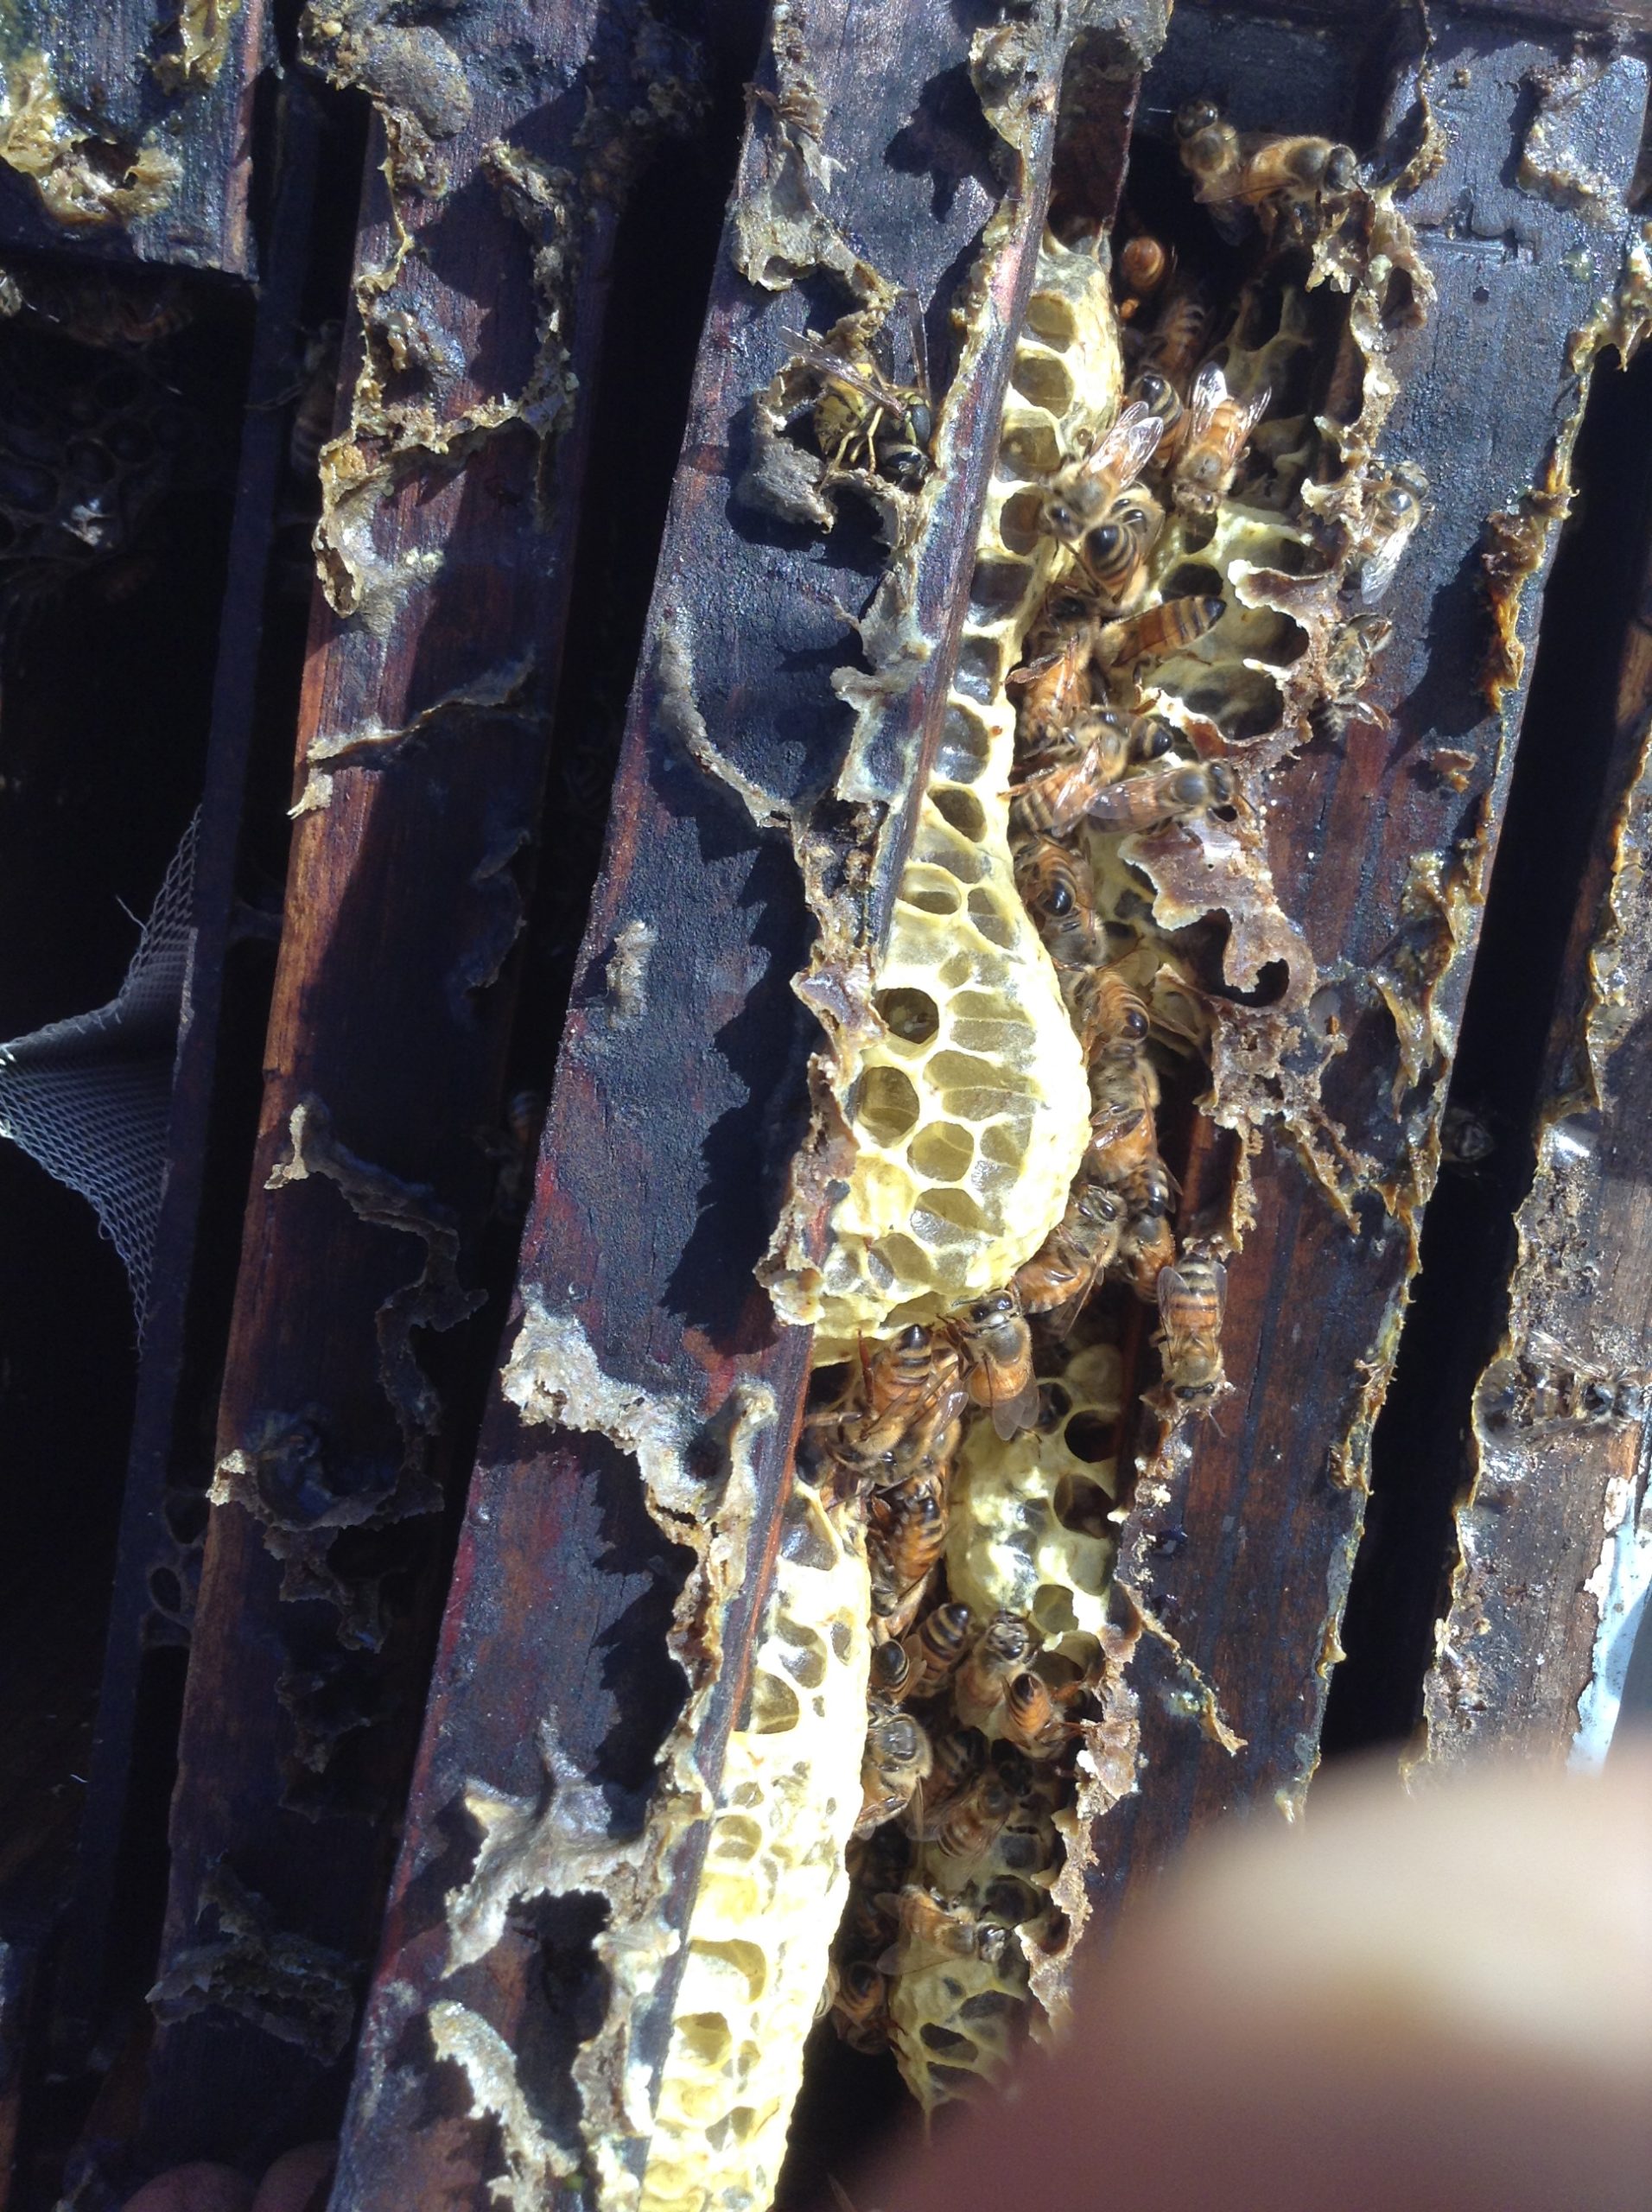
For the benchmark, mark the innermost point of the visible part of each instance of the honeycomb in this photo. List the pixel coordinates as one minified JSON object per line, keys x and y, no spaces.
{"x":1199,"y":655}
{"x":774,"y":1881}
{"x":1026,"y":1539}
{"x":970,"y":1108}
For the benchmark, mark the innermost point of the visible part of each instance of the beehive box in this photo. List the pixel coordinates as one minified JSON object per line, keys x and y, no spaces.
{"x":837,"y":1069}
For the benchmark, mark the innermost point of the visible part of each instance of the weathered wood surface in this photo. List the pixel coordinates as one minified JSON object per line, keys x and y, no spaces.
{"x":422,"y":747}
{"x":680,"y":1100}
{"x":1551,"y":1565}
{"x":128,"y":130}
{"x":1243,"y":1551}
{"x":163,"y":1443}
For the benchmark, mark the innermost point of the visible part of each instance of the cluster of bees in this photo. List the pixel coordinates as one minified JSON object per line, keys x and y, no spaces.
{"x":970,"y":1725}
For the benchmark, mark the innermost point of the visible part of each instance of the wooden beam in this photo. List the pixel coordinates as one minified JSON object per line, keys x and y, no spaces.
{"x":128,"y":135}
{"x":452,"y":495}
{"x":1241,"y":1539}
{"x":679,"y":1103}
{"x":1551,"y":1539}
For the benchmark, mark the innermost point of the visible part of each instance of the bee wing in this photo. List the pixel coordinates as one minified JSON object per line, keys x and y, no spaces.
{"x":1219,"y":1285}
{"x":1254,"y":408}
{"x":1010,"y":1416}
{"x":916,"y":340}
{"x":1172,"y":1284}
{"x":1208,"y":392}
{"x":1061,"y":1320}
{"x":1128,"y":445}
{"x":869,"y":384}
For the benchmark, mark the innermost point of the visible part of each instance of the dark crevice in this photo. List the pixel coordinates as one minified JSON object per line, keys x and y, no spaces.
{"x":1559,"y":794}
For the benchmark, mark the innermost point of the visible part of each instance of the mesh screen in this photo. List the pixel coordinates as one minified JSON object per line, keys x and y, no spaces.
{"x":90,"y":1098}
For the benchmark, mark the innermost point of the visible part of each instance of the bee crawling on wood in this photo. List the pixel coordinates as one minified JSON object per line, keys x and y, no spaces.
{"x":1192,"y":1297}
{"x":1392,"y":513}
{"x":996,"y":1347}
{"x":1213,"y":438}
{"x":863,"y":418}
{"x":1273,"y":175}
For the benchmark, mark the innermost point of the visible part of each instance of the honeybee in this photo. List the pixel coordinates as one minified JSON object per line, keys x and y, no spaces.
{"x":1048,"y":803}
{"x":1288,"y":167}
{"x":1114,"y":555}
{"x":1056,"y":891}
{"x":1050,"y":693}
{"x":1146,"y":1243}
{"x":1152,"y":389}
{"x":859,"y":2006}
{"x":1076,"y":1254}
{"x":893,"y":1764}
{"x":1123,"y":1091}
{"x":1191,"y":1298}
{"x":1031,"y":1715}
{"x":1002,"y":1649}
{"x":1162,"y":795}
{"x":891,"y":1673}
{"x":1178,"y":340}
{"x":934,"y":1648}
{"x":1111,"y":1013}
{"x":1258,"y":170}
{"x":862,"y":419}
{"x":1099,"y":748}
{"x":1349,"y":659}
{"x":930,"y":1930}
{"x":906,"y":1534}
{"x":316,"y":396}
{"x":1212,"y":441}
{"x":1081,"y":492}
{"x":1169,"y":627}
{"x":1143,"y":264}
{"x":996,"y":1347}
{"x":969,"y":1825}
{"x":908,"y":1411}
{"x":1391,"y":515}
{"x":955,"y":1761}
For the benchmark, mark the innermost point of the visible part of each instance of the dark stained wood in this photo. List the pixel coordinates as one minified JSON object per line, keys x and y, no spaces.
{"x":129,"y":91}
{"x":1534,"y":1647}
{"x":344,"y":1391}
{"x":1271,"y":1503}
{"x":161,"y":1444}
{"x":669,"y":1135}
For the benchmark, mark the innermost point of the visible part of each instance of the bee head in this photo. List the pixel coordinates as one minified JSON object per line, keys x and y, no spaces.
{"x":1061,"y":520}
{"x":1194,"y":116}
{"x":906,"y":466}
{"x":1219,"y":779}
{"x":1341,"y":170}
{"x":1196,"y":500}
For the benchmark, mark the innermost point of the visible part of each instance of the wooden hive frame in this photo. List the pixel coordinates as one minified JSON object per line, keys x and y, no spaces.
{"x":642,"y":1373}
